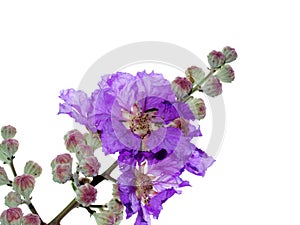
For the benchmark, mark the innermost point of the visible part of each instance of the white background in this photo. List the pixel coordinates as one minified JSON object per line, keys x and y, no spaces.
{"x":48,"y":46}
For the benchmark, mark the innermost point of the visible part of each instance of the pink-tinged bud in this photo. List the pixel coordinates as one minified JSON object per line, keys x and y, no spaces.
{"x":33,"y":169}
{"x":86,"y":194}
{"x":89,"y":166}
{"x":31,"y":219}
{"x":212,"y":87}
{"x":226,"y":74}
{"x":93,"y":140}
{"x":12,"y":216}
{"x":216,"y":59}
{"x":3,"y":177}
{"x":115,"y":206}
{"x":84,"y":151}
{"x":197,"y":107}
{"x":8,"y":132}
{"x":62,"y":173}
{"x":72,"y":139}
{"x":107,"y":218}
{"x":24,"y":185}
{"x":62,"y":159}
{"x":13,"y":199}
{"x":62,"y":168}
{"x":195,"y":74}
{"x":181,"y":87}
{"x":8,"y":148}
{"x":230,"y":54}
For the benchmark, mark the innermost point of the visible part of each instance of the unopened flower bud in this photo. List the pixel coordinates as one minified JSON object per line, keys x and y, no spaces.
{"x":62,"y":168}
{"x":3,"y":177}
{"x":24,"y":185}
{"x":115,"y":206}
{"x":8,"y":132}
{"x":181,"y":87}
{"x":62,"y":159}
{"x":89,"y":166}
{"x":72,"y":139}
{"x":216,"y":59}
{"x":212,"y":87}
{"x":86,"y":194}
{"x":31,"y":219}
{"x":8,"y":148}
{"x":13,"y":199}
{"x":198,"y":108}
{"x":195,"y":74}
{"x":226,"y":74}
{"x":83,"y":151}
{"x":33,"y":169}
{"x":11,"y":216}
{"x":93,"y":140}
{"x":104,"y":218}
{"x":62,"y":173}
{"x":230,"y":54}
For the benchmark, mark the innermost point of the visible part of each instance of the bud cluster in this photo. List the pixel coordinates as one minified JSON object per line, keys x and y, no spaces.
{"x":83,"y":146}
{"x":14,"y":216}
{"x":22,"y":185}
{"x":210,"y":84}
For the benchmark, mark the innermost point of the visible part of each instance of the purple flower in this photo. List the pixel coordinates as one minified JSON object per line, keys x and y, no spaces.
{"x":136,"y":113}
{"x":142,"y":115}
{"x":144,"y":188}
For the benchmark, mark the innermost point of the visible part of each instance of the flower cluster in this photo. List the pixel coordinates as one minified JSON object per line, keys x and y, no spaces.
{"x":149,"y":122}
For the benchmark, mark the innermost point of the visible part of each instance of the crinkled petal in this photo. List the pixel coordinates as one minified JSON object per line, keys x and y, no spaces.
{"x":170,"y":141}
{"x":155,"y":204}
{"x":110,"y":142}
{"x":184,"y":110}
{"x":78,"y":106}
{"x":198,"y":162}
{"x":127,"y":193}
{"x":143,"y":217}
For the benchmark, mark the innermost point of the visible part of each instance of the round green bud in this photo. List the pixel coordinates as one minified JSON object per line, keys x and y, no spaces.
{"x":24,"y":185}
{"x":226,"y":74}
{"x":195,"y":74}
{"x":230,"y":54}
{"x":8,"y":148}
{"x":212,"y":87}
{"x":216,"y":59}
{"x":13,"y":199}
{"x":3,"y":177}
{"x":8,"y":132}
{"x":33,"y":169}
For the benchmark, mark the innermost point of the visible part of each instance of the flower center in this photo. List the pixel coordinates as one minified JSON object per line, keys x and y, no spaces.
{"x":139,"y":122}
{"x":144,"y":185}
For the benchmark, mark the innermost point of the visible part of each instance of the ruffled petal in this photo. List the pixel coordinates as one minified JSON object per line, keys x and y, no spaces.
{"x":155,"y":204}
{"x":198,"y":162}
{"x":77,"y":105}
